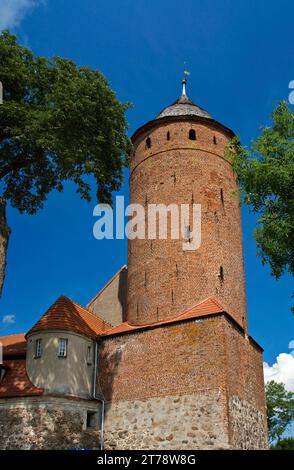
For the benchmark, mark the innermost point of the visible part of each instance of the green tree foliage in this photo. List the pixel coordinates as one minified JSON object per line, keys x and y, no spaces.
{"x":284,"y":444}
{"x":58,"y":122}
{"x":266,"y":176}
{"x":280,"y":409}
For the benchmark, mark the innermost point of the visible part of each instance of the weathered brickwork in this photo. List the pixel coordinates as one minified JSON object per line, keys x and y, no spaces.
{"x":175,"y":359}
{"x":44,"y":423}
{"x":164,"y":280}
{"x":202,"y":364}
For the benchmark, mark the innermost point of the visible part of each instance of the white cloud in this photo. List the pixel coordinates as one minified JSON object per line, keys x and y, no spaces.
{"x":13,"y":11}
{"x":281,"y":371}
{"x":291,"y":344}
{"x":8,"y":319}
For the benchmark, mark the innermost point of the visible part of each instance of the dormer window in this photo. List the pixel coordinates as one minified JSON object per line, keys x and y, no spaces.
{"x":38,"y":348}
{"x":62,"y":347}
{"x":192,"y":134}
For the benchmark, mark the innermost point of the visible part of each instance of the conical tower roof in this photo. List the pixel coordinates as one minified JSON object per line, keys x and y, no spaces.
{"x":183,"y":106}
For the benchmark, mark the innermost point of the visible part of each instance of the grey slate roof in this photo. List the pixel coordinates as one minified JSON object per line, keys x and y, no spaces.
{"x":183,"y":107}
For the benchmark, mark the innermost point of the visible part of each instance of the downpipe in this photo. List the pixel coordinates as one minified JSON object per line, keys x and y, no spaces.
{"x":98,"y":398}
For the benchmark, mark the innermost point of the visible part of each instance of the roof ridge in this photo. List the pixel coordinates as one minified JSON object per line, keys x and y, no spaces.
{"x":202,"y":302}
{"x":180,"y":317}
{"x":12,"y":334}
{"x":91,"y":313}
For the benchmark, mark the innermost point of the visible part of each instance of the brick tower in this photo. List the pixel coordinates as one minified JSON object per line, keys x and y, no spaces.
{"x":182,"y":372}
{"x":178,"y":158}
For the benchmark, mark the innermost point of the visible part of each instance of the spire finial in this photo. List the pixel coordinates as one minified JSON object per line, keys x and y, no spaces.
{"x":184,"y":83}
{"x":184,"y":80}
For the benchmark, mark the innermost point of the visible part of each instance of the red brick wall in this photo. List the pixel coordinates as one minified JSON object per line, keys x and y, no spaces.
{"x":244,"y":369}
{"x":164,"y":280}
{"x":208,"y":357}
{"x":169,"y":360}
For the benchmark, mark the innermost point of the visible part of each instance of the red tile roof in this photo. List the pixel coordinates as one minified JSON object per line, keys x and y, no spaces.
{"x":16,"y":382}
{"x":13,"y":345}
{"x":67,"y":315}
{"x":209,"y":306}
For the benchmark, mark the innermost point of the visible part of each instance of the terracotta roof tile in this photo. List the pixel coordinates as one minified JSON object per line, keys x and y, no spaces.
{"x":16,"y":382}
{"x":14,"y":345}
{"x":67,"y":315}
{"x":209,"y":306}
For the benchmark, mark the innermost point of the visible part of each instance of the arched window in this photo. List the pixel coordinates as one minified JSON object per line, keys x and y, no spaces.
{"x":148,"y":143}
{"x":192,"y":134}
{"x":168,"y":135}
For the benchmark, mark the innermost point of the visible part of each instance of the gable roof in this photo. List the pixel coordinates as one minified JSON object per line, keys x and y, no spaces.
{"x":67,"y":315}
{"x":14,"y":345}
{"x":16,"y":382}
{"x":208,"y":306}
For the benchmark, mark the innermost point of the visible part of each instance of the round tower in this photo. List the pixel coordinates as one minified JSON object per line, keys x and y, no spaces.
{"x":178,"y":158}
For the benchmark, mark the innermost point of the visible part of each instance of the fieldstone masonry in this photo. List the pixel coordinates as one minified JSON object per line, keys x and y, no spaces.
{"x":172,"y":422}
{"x":44,"y":423}
{"x":248,"y":427}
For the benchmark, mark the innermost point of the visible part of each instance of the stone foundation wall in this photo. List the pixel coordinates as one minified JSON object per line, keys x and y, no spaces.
{"x":173,"y":422}
{"x":44,"y":423}
{"x":247,"y":425}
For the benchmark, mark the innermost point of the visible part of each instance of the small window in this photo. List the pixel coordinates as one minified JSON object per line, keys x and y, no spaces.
{"x":89,"y":356}
{"x":188,"y":233}
{"x":92,"y":419}
{"x":214,"y":140}
{"x":168,"y":136}
{"x":221,"y":274}
{"x":62,"y":347}
{"x":38,"y":348}
{"x":192,"y":134}
{"x":148,"y":143}
{"x":222,"y":196}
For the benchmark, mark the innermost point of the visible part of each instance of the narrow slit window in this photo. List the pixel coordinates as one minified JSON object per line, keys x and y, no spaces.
{"x":168,"y":136}
{"x":38,"y":348}
{"x":89,"y":355}
{"x":62,"y":347}
{"x":221,"y":274}
{"x":192,"y":134}
{"x":222,"y":196}
{"x":214,"y":140}
{"x":148,"y":143}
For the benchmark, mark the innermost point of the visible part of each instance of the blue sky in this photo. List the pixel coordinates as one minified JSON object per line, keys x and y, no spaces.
{"x":240,"y":55}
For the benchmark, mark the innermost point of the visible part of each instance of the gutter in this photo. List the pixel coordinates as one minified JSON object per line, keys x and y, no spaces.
{"x":98,"y":398}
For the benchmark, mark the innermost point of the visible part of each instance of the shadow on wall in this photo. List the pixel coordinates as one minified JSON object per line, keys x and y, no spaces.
{"x":109,"y":361}
{"x":122,"y":292}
